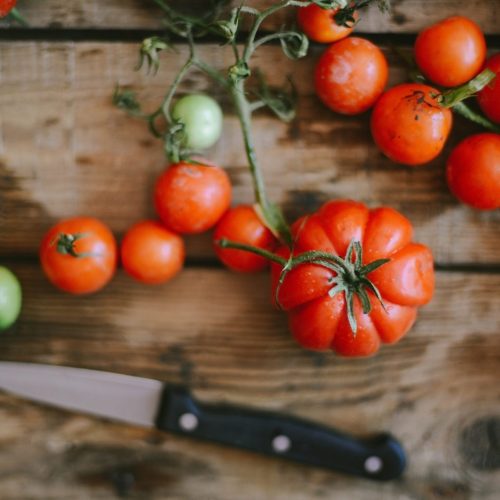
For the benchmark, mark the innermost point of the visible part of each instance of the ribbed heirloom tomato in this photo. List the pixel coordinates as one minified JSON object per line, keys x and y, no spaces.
{"x":191,"y":198}
{"x":451,"y":52}
{"x":242,"y":225}
{"x":79,"y":255}
{"x":320,"y":25}
{"x":409,"y":125}
{"x":326,"y":299}
{"x":151,"y":253}
{"x":351,"y":75}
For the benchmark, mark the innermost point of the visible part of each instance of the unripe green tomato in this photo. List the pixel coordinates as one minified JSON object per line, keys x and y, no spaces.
{"x":10,"y":298}
{"x":202,"y":118}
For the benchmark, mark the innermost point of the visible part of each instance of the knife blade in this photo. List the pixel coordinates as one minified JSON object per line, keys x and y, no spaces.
{"x":171,"y":408}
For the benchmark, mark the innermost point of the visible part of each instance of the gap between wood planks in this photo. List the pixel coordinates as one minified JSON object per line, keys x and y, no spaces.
{"x":213,"y":263}
{"x":136,"y":35}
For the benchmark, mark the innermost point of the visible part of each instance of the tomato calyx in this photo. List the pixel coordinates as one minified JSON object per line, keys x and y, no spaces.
{"x":351,"y":275}
{"x":65,"y":245}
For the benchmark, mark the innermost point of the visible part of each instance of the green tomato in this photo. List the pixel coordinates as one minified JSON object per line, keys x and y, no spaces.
{"x":202,"y":118}
{"x":10,"y":298}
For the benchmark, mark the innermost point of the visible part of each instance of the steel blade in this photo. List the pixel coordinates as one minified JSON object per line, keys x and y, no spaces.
{"x":129,"y":399}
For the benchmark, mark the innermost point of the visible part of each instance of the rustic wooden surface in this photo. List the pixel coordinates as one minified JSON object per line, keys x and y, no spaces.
{"x":64,"y":151}
{"x":407,"y":16}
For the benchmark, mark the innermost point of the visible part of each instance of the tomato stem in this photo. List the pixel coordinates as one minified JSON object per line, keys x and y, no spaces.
{"x":450,"y":98}
{"x":65,"y":243}
{"x":459,"y":106}
{"x":225,"y":243}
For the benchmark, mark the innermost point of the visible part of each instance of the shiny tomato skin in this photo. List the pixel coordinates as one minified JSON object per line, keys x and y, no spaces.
{"x":151,"y":253}
{"x":6,"y":6}
{"x":190,"y":198}
{"x":241,"y":224}
{"x":473,"y":171}
{"x":408,"y":124}
{"x":319,"y":321}
{"x":408,"y":279}
{"x":489,"y":97}
{"x":86,"y":273}
{"x":351,"y":75}
{"x":319,"y":24}
{"x":450,"y":52}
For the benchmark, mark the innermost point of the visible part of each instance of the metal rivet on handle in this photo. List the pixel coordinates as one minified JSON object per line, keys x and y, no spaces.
{"x":281,"y":443}
{"x":188,"y":422}
{"x":373,"y":464}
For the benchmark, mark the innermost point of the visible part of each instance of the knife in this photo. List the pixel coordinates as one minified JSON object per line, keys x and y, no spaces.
{"x":150,"y":403}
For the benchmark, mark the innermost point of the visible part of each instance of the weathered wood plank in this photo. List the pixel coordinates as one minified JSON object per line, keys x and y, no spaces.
{"x":407,"y":16}
{"x":65,"y":151}
{"x":437,"y":390}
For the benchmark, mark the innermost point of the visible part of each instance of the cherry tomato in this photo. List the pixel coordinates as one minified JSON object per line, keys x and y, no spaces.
{"x":319,"y":24}
{"x":408,"y":124}
{"x":451,"y":52}
{"x":242,"y":225}
{"x":79,"y":255}
{"x":318,"y":312}
{"x":191,"y":198}
{"x":473,"y":171}
{"x":10,"y":298}
{"x":202,"y":118}
{"x":351,"y":75}
{"x":489,"y":97}
{"x":151,"y":253}
{"x":6,"y":6}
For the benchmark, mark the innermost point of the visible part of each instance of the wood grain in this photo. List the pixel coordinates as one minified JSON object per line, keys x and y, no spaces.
{"x":437,"y":391}
{"x":65,"y":151}
{"x":407,"y":16}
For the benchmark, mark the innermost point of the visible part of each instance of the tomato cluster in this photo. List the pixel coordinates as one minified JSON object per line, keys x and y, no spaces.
{"x":80,"y":255}
{"x":409,"y":123}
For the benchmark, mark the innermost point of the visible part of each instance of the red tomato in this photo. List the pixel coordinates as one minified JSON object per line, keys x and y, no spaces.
{"x":408,"y":124}
{"x":489,"y":97}
{"x":191,"y":198}
{"x":451,"y":52}
{"x":318,"y":317}
{"x":351,"y":75}
{"x":151,"y":253}
{"x":6,"y":6}
{"x":319,"y":24}
{"x":473,"y":171}
{"x":79,"y":255}
{"x":242,"y":225}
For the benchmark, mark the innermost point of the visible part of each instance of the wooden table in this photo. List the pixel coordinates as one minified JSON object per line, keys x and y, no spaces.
{"x":64,"y":151}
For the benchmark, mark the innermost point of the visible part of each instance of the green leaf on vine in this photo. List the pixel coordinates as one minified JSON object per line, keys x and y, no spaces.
{"x":126,"y":100}
{"x":149,"y":52}
{"x":229,"y":27}
{"x":282,"y":102}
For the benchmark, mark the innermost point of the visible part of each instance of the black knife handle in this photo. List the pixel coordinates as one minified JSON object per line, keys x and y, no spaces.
{"x":380,"y":457}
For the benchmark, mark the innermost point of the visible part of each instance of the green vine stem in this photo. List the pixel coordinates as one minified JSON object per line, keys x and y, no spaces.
{"x":453,"y":98}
